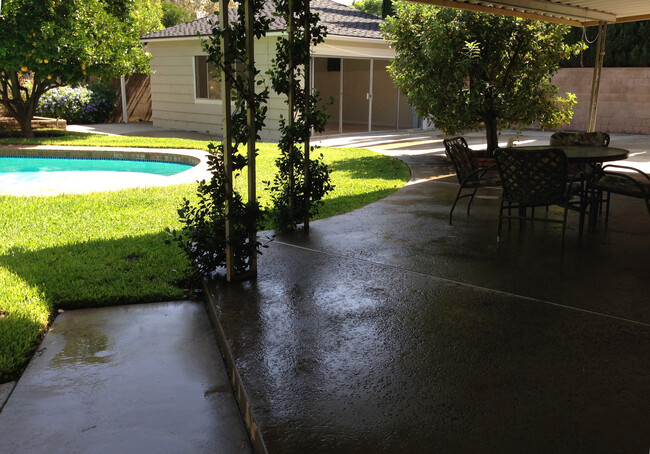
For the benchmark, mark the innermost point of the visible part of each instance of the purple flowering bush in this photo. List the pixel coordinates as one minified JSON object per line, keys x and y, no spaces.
{"x":80,"y":105}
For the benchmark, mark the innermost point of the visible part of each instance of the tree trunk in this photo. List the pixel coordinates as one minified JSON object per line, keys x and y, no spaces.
{"x":26,"y":128}
{"x":492,"y":135}
{"x":386,"y":8}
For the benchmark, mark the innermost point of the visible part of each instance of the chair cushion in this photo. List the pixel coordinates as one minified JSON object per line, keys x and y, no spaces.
{"x":579,"y":138}
{"x":623,"y":186}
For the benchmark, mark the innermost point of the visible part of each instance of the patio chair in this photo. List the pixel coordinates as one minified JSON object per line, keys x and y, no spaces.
{"x":534,"y":179}
{"x":622,"y":183}
{"x":470,"y":175}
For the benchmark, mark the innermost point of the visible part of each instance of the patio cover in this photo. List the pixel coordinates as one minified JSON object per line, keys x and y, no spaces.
{"x":579,"y":13}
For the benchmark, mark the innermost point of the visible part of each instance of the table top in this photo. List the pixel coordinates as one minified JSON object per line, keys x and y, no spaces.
{"x":585,"y":153}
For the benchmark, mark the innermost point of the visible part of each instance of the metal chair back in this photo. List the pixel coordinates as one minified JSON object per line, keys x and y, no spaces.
{"x":461,"y":157}
{"x":533,"y":178}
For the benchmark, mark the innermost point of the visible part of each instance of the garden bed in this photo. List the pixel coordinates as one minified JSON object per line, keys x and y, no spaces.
{"x":37,"y":123}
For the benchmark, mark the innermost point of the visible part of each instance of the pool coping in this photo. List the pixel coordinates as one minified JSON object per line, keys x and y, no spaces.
{"x":194,"y":157}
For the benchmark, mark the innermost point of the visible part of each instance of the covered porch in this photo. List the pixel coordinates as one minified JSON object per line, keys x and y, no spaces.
{"x":388,"y":330}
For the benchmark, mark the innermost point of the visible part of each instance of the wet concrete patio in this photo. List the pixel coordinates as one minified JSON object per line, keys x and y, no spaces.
{"x":128,"y":379}
{"x":388,"y":330}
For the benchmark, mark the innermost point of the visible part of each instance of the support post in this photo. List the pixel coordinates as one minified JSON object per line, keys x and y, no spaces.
{"x":125,"y":111}
{"x":308,"y":88}
{"x":370,"y":94}
{"x":341,"y":96}
{"x":227,"y":134}
{"x":252,"y":130}
{"x":595,"y":83}
{"x":291,"y":101}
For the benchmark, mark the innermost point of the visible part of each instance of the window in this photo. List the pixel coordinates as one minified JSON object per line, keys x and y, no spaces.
{"x":208,"y":85}
{"x":334,"y":64}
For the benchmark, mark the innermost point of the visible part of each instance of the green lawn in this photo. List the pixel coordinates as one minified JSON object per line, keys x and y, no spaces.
{"x":79,"y":251}
{"x":57,"y":137}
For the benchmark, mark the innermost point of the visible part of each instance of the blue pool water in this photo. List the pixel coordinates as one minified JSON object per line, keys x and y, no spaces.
{"x":10,"y":164}
{"x":27,"y":175}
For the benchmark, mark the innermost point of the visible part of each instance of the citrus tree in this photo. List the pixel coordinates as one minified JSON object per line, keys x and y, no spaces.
{"x":466,"y":70}
{"x":51,"y":43}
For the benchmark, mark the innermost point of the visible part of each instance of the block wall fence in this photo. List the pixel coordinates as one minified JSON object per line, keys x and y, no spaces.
{"x":623,"y":103}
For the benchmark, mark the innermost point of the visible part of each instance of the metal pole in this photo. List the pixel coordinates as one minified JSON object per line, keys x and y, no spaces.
{"x":307,"y":114}
{"x":291,"y":102}
{"x":398,"y":101}
{"x":341,"y":98}
{"x":372,"y":67}
{"x":252,"y":130}
{"x":595,"y":83}
{"x":227,"y":134}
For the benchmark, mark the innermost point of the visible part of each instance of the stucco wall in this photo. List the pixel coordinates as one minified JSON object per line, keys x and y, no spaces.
{"x":624,"y":101}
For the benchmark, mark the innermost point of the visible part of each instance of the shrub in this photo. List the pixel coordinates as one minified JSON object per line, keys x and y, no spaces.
{"x":91,"y":104}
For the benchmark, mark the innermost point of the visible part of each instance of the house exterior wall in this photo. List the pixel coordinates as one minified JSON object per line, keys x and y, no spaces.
{"x":174,"y":104}
{"x":623,"y":103}
{"x":173,"y":99}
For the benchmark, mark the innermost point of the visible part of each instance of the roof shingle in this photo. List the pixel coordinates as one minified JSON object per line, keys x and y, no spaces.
{"x":340,"y":20}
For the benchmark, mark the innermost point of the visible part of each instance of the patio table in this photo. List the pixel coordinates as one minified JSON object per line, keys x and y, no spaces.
{"x":586,"y":153}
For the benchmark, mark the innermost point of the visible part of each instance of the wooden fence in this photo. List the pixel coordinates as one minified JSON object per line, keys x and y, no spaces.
{"x":138,"y":95}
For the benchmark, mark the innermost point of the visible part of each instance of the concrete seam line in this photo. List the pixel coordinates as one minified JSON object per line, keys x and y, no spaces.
{"x":501,"y":292}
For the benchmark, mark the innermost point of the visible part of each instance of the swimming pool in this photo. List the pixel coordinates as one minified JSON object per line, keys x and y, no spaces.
{"x":48,"y":172}
{"x":31,"y":167}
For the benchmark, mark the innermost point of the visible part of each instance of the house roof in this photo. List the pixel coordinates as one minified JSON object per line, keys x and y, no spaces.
{"x":340,"y":20}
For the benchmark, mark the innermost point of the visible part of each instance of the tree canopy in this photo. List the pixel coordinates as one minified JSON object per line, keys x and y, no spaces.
{"x":174,"y":14}
{"x":50,"y":43}
{"x":369,"y":6}
{"x":198,"y":8}
{"x":465,"y":70}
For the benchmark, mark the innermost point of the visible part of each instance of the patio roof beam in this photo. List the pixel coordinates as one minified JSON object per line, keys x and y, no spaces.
{"x":533,"y":9}
{"x":633,"y":18}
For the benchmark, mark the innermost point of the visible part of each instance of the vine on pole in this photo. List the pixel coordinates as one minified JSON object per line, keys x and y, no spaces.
{"x":301,"y":182}
{"x":221,"y":229}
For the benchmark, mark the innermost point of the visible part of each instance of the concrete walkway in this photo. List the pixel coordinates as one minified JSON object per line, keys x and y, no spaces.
{"x":129,"y":379}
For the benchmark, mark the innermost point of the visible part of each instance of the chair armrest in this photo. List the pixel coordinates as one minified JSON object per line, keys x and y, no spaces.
{"x":643,"y":187}
{"x":616,"y":166}
{"x":485,"y":170}
{"x":577,"y":178}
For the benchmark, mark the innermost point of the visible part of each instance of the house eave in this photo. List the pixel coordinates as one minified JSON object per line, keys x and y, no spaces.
{"x":270,"y":34}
